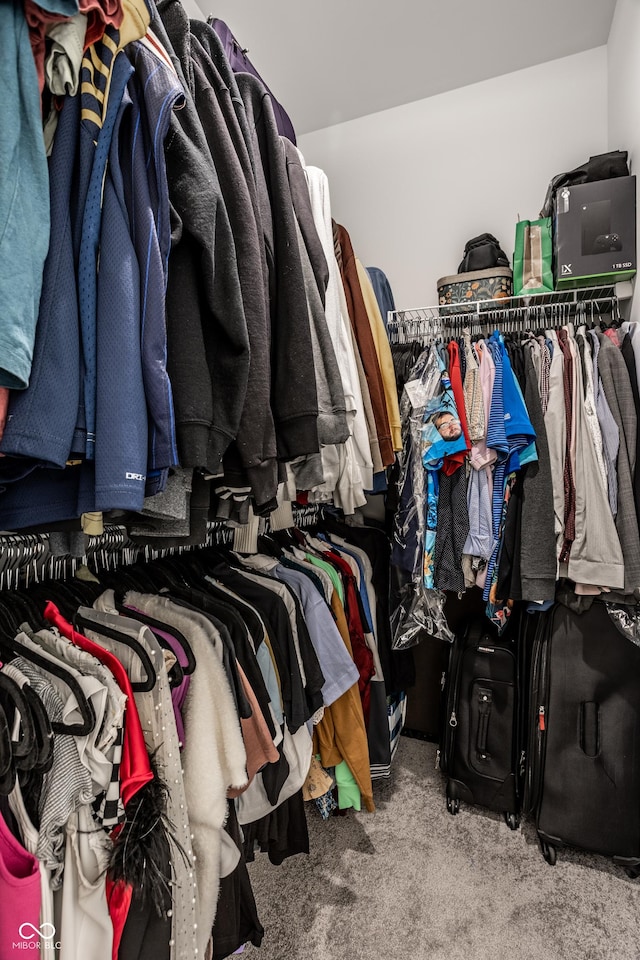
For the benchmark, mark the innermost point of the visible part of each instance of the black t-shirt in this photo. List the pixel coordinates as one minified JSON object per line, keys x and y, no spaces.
{"x":276,"y":619}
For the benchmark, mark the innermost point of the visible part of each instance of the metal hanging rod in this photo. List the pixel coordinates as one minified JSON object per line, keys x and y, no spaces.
{"x":27,"y":557}
{"x":437,"y":320}
{"x":580,"y":295}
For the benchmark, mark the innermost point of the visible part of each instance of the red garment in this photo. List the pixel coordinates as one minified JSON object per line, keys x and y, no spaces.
{"x":37,"y":21}
{"x":455,"y":461}
{"x":100,"y":13}
{"x":119,"y":896}
{"x":135,"y":769}
{"x":362,"y":655}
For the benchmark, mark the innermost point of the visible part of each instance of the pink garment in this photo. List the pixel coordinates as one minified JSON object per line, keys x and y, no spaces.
{"x":587,"y":590}
{"x":481,"y":455}
{"x":612,"y":333}
{"x":99,"y":14}
{"x":4,"y":407}
{"x":19,"y":898}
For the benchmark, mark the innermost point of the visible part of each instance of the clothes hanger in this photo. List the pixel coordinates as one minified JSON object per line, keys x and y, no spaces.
{"x":176,"y":673}
{"x":58,"y":591}
{"x":22,"y":748}
{"x":37,"y":755}
{"x":139,"y":686}
{"x":44,"y":732}
{"x":11,"y":647}
{"x":7,"y":768}
{"x":268,"y":545}
{"x":25,"y":609}
{"x":142,"y":573}
{"x":193,"y":565}
{"x":124,"y":579}
{"x":155,"y":625}
{"x":168,"y":571}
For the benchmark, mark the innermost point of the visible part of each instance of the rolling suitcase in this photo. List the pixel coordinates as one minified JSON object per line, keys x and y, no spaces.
{"x":479,"y":745}
{"x":583,"y":771}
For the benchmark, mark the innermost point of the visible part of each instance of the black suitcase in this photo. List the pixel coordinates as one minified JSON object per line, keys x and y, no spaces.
{"x":583,"y":770}
{"x":479,"y":750}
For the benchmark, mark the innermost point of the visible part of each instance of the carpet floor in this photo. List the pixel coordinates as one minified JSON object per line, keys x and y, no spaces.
{"x":411,"y":881}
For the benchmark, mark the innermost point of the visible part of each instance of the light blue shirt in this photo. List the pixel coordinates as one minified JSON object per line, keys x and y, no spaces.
{"x":339,"y":671}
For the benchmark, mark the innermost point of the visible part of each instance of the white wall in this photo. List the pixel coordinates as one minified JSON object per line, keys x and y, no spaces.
{"x":413,"y":183}
{"x":194,"y":9}
{"x":623,"y":54}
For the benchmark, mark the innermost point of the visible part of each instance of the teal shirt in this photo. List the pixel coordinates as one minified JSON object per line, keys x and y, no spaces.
{"x":24,"y":199}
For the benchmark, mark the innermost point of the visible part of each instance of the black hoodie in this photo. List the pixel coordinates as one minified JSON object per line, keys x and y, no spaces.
{"x":293,"y":394}
{"x":208,"y":342}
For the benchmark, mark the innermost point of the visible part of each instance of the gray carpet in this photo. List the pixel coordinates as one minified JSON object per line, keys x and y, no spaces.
{"x":411,"y":882}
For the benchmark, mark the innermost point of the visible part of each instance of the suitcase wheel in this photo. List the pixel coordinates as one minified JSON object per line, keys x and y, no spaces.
{"x":549,"y":853}
{"x":453,"y":805}
{"x":512,"y":820}
{"x":632,"y":872}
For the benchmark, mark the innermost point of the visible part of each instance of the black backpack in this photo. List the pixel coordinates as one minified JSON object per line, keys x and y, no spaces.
{"x":481,"y":253}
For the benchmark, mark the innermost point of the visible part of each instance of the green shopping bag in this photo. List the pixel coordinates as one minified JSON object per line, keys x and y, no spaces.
{"x":533,"y":257}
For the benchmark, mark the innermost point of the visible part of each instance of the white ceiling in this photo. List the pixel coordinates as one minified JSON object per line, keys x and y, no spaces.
{"x":334,"y":60}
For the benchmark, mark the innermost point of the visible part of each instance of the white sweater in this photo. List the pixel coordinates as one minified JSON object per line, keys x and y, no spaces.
{"x":340,"y":327}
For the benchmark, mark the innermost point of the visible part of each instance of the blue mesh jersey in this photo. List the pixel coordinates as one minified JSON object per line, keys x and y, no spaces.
{"x":121,"y":410}
{"x":155,"y":90}
{"x":90,"y":240}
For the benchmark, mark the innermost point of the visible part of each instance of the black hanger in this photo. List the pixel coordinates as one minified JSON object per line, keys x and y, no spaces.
{"x":175,"y":570}
{"x":7,"y":768}
{"x":193,"y":566}
{"x":176,"y":673}
{"x":140,"y":574}
{"x":125,"y":579}
{"x":139,"y":686}
{"x":269,"y":546}
{"x":155,"y":577}
{"x":281,"y":539}
{"x":159,"y":625}
{"x":44,"y":732}
{"x":60,"y":593}
{"x":84,"y":592}
{"x":25,"y":609}
{"x":38,"y":757}
{"x":11,"y":647}
{"x":22,"y":749}
{"x":9,"y":620}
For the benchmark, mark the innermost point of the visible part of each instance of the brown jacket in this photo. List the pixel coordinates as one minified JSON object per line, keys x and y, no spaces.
{"x":364,"y":338}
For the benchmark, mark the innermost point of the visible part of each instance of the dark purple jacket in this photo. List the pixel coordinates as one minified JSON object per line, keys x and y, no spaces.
{"x":240,"y":63}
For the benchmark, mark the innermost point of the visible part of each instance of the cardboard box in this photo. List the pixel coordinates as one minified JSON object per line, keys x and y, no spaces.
{"x":595,"y":233}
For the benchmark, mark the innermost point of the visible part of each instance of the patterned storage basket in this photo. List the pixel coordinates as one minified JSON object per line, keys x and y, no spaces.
{"x":496,"y":283}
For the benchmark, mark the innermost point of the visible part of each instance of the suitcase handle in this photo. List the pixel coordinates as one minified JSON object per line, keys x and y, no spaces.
{"x":590,"y":728}
{"x":485,"y":701}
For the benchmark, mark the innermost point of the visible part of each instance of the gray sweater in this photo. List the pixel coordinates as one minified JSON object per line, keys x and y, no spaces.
{"x":538,"y":541}
{"x":617,"y":389}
